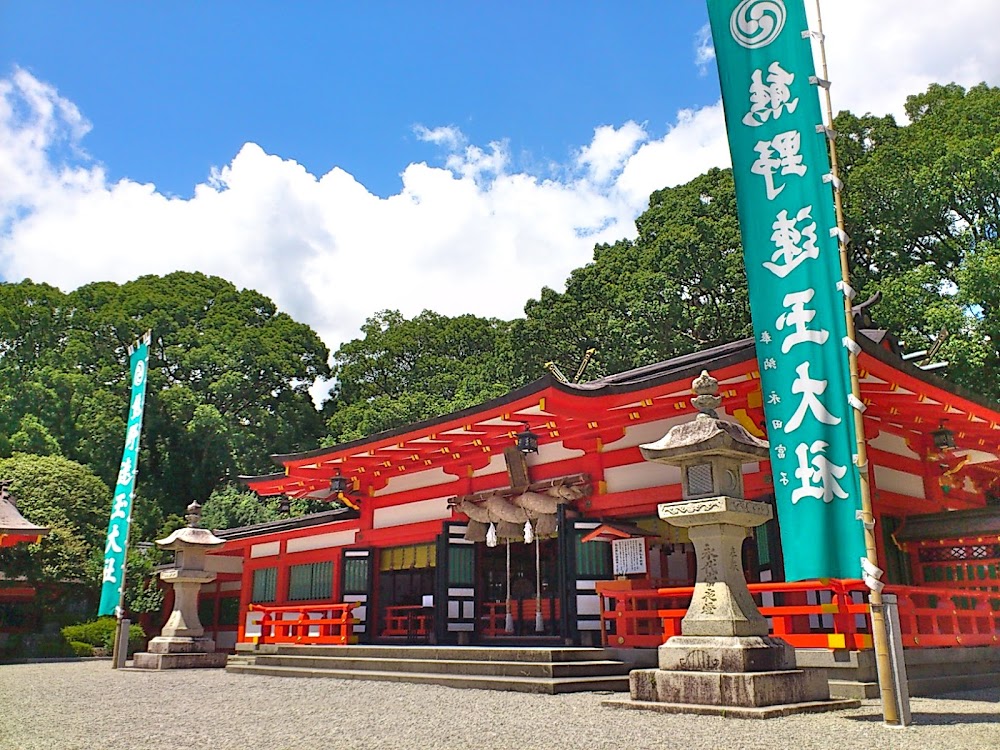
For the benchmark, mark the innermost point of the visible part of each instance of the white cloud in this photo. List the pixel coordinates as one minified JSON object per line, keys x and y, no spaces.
{"x":704,"y":52}
{"x":881,"y":52}
{"x":448,"y":136}
{"x":604,"y":157}
{"x":476,"y":235}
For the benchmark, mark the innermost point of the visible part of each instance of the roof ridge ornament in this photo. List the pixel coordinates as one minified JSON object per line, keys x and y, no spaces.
{"x":706,"y":400}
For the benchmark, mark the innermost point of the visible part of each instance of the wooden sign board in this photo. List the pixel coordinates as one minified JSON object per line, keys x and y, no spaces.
{"x":628,"y":556}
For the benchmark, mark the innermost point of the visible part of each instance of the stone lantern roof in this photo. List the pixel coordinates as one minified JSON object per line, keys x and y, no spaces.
{"x":706,"y":435}
{"x":191,"y":535}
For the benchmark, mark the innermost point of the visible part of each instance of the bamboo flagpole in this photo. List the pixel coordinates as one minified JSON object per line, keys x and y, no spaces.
{"x":870,"y":570}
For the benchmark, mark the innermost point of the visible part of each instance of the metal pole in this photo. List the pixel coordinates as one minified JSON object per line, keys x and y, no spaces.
{"x":509,"y":619}
{"x":539,"y":622}
{"x":880,"y":637}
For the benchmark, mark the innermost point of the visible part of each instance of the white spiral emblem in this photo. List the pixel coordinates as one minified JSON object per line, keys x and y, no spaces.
{"x":757,"y":23}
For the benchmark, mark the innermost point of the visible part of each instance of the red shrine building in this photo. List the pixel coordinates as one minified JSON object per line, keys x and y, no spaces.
{"x":449,"y":531}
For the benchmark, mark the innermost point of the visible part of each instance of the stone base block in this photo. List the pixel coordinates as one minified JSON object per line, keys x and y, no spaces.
{"x":181,"y":645}
{"x":726,"y":654}
{"x":750,"y":689}
{"x":147,"y":660}
{"x":735,"y":712}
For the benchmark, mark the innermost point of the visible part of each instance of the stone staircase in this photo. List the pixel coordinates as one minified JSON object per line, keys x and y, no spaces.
{"x":522,"y":669}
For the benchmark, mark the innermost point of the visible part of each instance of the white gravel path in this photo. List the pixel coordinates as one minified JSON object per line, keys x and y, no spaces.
{"x":71,"y":705}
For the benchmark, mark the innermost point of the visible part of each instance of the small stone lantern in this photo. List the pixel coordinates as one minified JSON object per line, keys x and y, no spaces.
{"x":724,"y":661}
{"x":710,"y":453}
{"x":182,"y":642}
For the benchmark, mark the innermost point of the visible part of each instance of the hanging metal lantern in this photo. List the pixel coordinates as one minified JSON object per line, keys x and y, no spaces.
{"x":944,"y":439}
{"x":527,"y":441}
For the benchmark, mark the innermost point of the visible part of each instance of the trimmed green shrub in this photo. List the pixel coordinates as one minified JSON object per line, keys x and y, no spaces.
{"x":81,"y":649}
{"x":100,"y":633}
{"x":96,"y":632}
{"x":136,"y":640}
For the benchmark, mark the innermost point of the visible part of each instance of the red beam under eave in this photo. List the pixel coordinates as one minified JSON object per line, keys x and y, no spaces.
{"x":394,"y":536}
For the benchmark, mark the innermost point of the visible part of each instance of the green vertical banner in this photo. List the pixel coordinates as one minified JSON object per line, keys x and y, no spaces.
{"x":784,"y":196}
{"x":121,"y":508}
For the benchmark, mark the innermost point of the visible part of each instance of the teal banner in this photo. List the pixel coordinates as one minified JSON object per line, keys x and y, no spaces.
{"x":784,"y":196}
{"x":121,"y":507}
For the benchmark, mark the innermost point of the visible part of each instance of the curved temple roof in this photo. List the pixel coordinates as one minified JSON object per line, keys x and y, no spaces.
{"x":15,"y":528}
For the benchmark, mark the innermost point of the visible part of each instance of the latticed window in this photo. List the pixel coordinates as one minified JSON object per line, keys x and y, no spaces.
{"x":265,"y":585}
{"x":593,"y":559}
{"x":310,"y":581}
{"x":356,"y":575}
{"x":462,"y":565}
{"x":948,"y":554}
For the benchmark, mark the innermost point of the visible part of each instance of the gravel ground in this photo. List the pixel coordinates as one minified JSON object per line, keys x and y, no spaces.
{"x":86,"y":704}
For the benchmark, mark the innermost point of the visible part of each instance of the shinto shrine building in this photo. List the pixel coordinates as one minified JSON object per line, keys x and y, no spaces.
{"x":426,"y":533}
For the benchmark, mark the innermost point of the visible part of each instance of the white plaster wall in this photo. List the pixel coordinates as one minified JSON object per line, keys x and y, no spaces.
{"x":322,"y":541}
{"x":415,"y":480}
{"x":224,"y":563}
{"x":266,"y":549}
{"x":901,"y":482}
{"x":890,"y":443}
{"x":639,"y":476}
{"x":422,"y":510}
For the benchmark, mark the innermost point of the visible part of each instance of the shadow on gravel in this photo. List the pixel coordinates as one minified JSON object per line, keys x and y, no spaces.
{"x":934,"y":719}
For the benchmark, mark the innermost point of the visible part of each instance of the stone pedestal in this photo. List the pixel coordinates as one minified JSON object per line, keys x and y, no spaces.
{"x":179,"y":653}
{"x":724,"y":662}
{"x":182,"y":643}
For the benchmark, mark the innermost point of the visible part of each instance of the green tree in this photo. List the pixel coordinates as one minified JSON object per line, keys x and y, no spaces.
{"x":228,"y":382}
{"x":404,"y":370}
{"x":32,"y":437}
{"x":922,"y":204}
{"x":678,"y":287}
{"x":74,"y":504}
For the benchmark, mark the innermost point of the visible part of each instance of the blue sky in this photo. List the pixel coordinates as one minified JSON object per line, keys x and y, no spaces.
{"x":348,"y":158}
{"x":176,"y":87}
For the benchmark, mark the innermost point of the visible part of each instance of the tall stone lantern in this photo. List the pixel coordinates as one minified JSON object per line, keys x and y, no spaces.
{"x":724,"y":661}
{"x":182,"y":642}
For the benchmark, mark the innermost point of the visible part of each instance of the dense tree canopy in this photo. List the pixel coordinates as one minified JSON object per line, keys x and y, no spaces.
{"x":407,"y":370}
{"x":73,"y":503}
{"x":678,"y":287}
{"x":922,"y":207}
{"x":228,"y":379}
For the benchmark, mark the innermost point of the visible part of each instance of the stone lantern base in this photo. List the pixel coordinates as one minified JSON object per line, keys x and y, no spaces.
{"x":732,"y":676}
{"x":179,"y":653}
{"x":724,"y":662}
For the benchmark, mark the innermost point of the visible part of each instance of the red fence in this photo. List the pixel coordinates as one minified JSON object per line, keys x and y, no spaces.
{"x":411,"y":620}
{"x":494,"y":618}
{"x":318,"y":624}
{"x":830,"y":614}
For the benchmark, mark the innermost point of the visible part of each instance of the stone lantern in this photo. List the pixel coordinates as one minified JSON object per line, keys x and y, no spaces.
{"x":724,"y":661}
{"x":182,"y":642}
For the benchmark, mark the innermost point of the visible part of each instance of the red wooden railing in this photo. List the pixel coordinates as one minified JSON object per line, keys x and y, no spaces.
{"x":830,"y":614}
{"x":411,"y":620}
{"x":318,"y":623}
{"x":494,"y":618}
